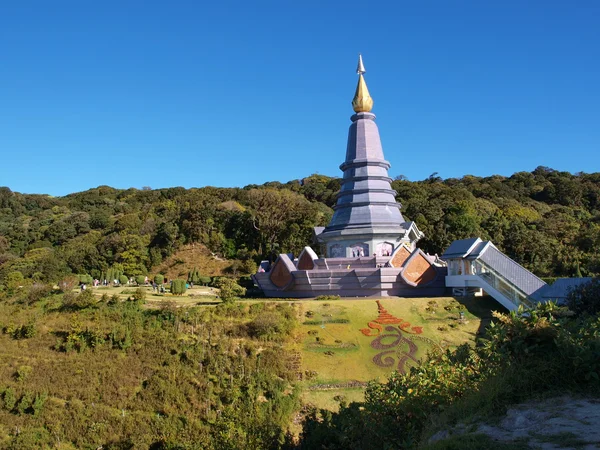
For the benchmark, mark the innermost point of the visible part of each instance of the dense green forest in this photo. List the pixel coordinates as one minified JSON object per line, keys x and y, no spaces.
{"x":549,"y":221}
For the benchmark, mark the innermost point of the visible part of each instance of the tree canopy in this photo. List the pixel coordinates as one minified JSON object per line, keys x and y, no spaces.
{"x":547,"y":220}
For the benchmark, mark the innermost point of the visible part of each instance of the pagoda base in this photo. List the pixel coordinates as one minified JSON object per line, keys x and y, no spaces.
{"x":349,"y":277}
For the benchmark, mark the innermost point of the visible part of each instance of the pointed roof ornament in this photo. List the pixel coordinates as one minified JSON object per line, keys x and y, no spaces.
{"x":361,"y":67}
{"x":362,"y":101}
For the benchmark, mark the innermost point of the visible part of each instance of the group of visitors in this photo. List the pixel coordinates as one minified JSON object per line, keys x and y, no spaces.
{"x":157,"y":288}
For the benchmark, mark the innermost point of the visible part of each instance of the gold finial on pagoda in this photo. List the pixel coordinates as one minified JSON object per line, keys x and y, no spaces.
{"x":362,"y":101}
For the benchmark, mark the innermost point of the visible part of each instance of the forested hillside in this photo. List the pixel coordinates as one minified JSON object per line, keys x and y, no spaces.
{"x":547,"y":220}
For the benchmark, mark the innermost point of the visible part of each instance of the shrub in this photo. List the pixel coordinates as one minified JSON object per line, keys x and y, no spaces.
{"x":319,"y":322}
{"x":23,"y":373}
{"x":327,"y":297}
{"x":79,"y":339}
{"x":38,"y":291}
{"x":14,"y":281}
{"x":585,"y":298}
{"x":249,"y":266}
{"x":178,"y":287}
{"x":67,"y":284}
{"x":140,"y":279}
{"x":38,"y":403}
{"x":159,"y":279}
{"x":123,"y":279}
{"x":25,"y":402}
{"x":205,"y":281}
{"x":84,"y":299}
{"x":270,"y":325}
{"x":194,"y":276}
{"x":87,"y":279}
{"x":10,"y":399}
{"x":139,"y":295}
{"x":229,"y":289}
{"x":23,"y":332}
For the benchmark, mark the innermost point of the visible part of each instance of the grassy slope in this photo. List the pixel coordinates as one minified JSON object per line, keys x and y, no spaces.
{"x":352,"y":358}
{"x":187,"y":257}
{"x":198,"y":295}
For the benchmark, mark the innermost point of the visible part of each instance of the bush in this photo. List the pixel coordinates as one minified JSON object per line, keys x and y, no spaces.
{"x":194,"y":276}
{"x":10,"y":399}
{"x":229,"y":289}
{"x":38,"y":403}
{"x":249,"y":266}
{"x":178,"y":287}
{"x":84,"y":299}
{"x":123,"y":279}
{"x":270,"y":325}
{"x":140,"y":279}
{"x":38,"y":291}
{"x":585,"y":298}
{"x":139,"y":295}
{"x":67,"y":284}
{"x":23,"y":373}
{"x":25,"y":402}
{"x":327,"y":298}
{"x":86,"y":279}
{"x":205,"y":281}
{"x":24,"y":331}
{"x":319,"y":322}
{"x":14,"y":281}
{"x":159,"y":279}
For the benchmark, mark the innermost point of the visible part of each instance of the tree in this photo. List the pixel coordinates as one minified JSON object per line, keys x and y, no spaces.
{"x":14,"y":281}
{"x":273,"y":211}
{"x":585,"y":298}
{"x":68,"y":283}
{"x":178,"y":287}
{"x":86,"y":279}
{"x":249,"y":266}
{"x":229,"y":289}
{"x":194,"y":276}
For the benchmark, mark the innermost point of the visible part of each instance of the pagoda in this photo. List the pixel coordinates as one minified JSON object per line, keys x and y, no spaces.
{"x":367,"y":218}
{"x":370,"y":250}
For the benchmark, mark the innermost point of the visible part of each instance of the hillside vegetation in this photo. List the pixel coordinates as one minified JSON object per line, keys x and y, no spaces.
{"x":137,"y":368}
{"x":80,"y":373}
{"x":548,"y":221}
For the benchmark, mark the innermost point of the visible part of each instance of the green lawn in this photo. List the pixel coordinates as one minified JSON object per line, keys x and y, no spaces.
{"x":334,"y":354}
{"x":198,"y":295}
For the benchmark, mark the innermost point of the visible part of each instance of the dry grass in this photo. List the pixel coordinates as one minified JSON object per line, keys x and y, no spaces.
{"x":330,"y":399}
{"x":187,"y":257}
{"x":198,"y":295}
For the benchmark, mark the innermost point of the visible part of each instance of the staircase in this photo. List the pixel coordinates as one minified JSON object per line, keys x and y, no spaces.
{"x":509,"y":283}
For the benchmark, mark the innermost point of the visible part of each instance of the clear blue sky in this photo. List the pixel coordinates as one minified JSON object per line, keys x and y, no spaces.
{"x":193,"y":93}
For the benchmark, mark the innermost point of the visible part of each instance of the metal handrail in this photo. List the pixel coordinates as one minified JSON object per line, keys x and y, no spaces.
{"x":515,"y":294}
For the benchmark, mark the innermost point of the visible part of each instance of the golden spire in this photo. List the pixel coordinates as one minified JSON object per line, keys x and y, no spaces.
{"x":362,"y":101}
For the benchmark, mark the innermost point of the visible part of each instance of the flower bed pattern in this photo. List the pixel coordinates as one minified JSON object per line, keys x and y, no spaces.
{"x":395,"y":337}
